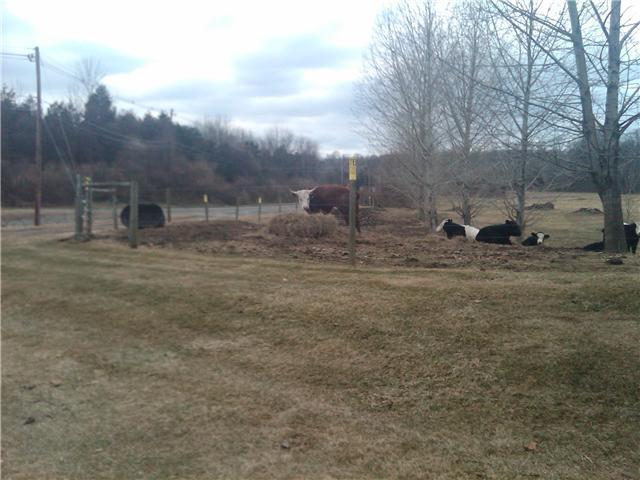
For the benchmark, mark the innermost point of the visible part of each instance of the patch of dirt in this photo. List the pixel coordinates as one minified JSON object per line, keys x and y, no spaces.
{"x":541,"y":206}
{"x":387,"y":239}
{"x":589,"y":211}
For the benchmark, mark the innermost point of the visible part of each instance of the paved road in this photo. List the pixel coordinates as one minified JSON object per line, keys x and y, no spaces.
{"x":60,"y":221}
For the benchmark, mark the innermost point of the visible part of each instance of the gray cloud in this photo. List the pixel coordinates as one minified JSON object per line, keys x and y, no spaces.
{"x":267,"y":90}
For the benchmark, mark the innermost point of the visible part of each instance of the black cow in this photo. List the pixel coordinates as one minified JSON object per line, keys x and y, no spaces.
{"x":536,"y":238}
{"x":594,"y":247}
{"x":499,"y":233}
{"x":150,"y":215}
{"x":632,"y":235}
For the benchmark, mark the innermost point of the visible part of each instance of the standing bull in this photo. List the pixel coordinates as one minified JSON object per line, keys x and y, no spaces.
{"x":324,"y":198}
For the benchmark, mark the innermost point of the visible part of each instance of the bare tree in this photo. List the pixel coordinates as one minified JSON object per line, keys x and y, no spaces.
{"x":523,"y":79}
{"x":398,"y":99}
{"x":89,"y":73}
{"x":597,"y":54}
{"x":467,"y":109}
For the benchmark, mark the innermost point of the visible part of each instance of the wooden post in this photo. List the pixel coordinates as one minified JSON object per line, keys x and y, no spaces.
{"x":168,"y":198}
{"x":259,"y":209}
{"x":38,"y":202}
{"x":89,"y":207}
{"x":79,"y":207}
{"x":114,"y":208}
{"x":237,"y":209}
{"x":133,"y":215}
{"x":205,"y":199}
{"x":279,"y":204}
{"x":352,"y":211}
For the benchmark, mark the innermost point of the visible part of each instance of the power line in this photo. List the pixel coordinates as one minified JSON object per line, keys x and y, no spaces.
{"x":16,"y":55}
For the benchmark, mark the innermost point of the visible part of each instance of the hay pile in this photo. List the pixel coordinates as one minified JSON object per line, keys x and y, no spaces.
{"x":302,"y":225}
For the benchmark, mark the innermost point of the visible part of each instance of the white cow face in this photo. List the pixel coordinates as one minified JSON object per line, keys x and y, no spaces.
{"x":303,"y":198}
{"x":541,"y":237}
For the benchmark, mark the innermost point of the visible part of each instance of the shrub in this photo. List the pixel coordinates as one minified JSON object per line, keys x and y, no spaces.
{"x":302,"y":225}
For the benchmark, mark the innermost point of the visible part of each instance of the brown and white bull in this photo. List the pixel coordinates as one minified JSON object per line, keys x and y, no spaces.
{"x":324,"y":198}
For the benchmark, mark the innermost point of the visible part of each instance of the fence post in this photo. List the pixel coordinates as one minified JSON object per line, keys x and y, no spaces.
{"x":237,"y":208}
{"x":89,"y":207}
{"x":168,"y":198}
{"x":79,"y":208}
{"x":352,"y":211}
{"x":133,"y":215}
{"x":259,"y":209}
{"x":114,"y":208}
{"x":279,"y":204}
{"x":205,"y":199}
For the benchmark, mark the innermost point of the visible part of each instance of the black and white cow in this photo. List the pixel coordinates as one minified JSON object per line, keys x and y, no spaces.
{"x":324,"y":198}
{"x":499,"y":233}
{"x":536,"y":238}
{"x":631,"y":234}
{"x":452,"y":229}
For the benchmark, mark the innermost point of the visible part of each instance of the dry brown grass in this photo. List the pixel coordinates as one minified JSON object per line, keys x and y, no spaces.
{"x":302,"y":225}
{"x":165,"y":363}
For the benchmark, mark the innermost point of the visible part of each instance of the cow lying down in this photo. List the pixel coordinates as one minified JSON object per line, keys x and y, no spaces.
{"x":499,"y":233}
{"x":536,"y":238}
{"x":452,"y":229}
{"x":631,"y":234}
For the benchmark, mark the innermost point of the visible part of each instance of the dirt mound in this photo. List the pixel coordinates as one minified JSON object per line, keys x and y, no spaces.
{"x":396,"y":239}
{"x":302,"y":225}
{"x":180,"y":234}
{"x":541,"y":206}
{"x":589,"y":211}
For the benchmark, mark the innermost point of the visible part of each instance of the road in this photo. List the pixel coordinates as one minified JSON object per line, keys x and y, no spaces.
{"x":59,"y":221}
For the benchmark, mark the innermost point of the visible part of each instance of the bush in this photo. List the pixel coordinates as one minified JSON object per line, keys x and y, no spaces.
{"x":302,"y":225}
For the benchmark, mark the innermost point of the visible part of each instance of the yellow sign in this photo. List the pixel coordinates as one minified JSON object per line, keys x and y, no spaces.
{"x":205,"y":197}
{"x":259,"y":199}
{"x":352,"y":169}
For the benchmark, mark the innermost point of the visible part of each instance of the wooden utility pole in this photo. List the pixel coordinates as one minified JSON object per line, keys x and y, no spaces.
{"x":38,"y":204}
{"x":114,"y":208}
{"x":79,"y":208}
{"x":168,"y":195}
{"x":89,"y":197}
{"x":133,"y":214}
{"x":352,"y":211}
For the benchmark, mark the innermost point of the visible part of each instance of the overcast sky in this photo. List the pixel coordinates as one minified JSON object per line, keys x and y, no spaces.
{"x":290,"y":64}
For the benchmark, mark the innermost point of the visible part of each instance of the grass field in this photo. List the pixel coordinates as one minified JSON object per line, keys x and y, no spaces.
{"x":165,"y":363}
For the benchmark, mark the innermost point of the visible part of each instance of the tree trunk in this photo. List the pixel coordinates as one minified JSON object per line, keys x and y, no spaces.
{"x":431,"y":222}
{"x":465,"y":205}
{"x":614,"y":236}
{"x":421,"y":202}
{"x":521,"y":197}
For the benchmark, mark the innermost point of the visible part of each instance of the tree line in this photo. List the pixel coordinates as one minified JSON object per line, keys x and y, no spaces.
{"x":99,"y":141}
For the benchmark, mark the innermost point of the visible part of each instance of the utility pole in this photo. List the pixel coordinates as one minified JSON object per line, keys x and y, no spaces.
{"x":38,"y":204}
